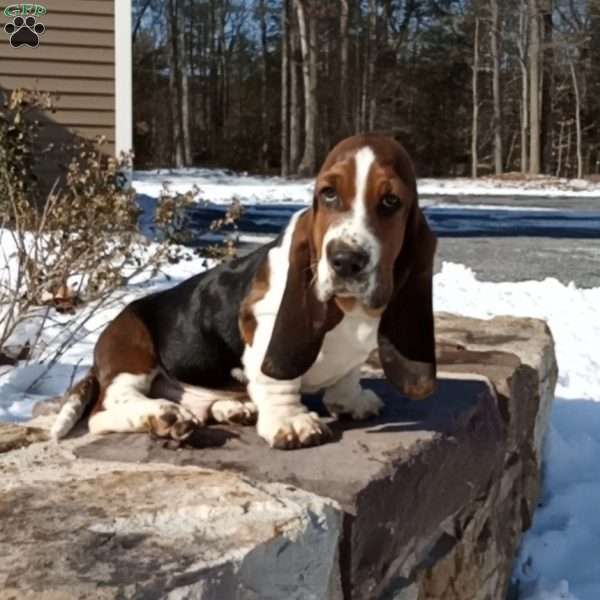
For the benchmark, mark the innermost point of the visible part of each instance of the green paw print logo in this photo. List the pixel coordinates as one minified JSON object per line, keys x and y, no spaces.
{"x":25,"y":28}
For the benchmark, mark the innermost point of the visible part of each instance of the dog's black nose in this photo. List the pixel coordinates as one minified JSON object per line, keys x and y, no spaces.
{"x":347,"y":261}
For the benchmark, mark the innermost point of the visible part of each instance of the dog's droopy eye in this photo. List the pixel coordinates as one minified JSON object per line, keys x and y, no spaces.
{"x":389,"y":204}
{"x":328,"y":196}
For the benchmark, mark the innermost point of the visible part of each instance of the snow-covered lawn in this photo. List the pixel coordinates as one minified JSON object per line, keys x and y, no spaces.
{"x":514,"y":186}
{"x":220,"y":186}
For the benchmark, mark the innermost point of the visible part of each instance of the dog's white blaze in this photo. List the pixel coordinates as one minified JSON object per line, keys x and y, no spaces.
{"x":364,"y":158}
{"x":352,"y":229}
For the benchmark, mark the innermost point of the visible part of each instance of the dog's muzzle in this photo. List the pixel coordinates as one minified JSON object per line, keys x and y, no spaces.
{"x":347,"y":262}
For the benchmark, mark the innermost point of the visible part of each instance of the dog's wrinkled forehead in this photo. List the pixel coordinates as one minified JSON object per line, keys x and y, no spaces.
{"x":364,"y":168}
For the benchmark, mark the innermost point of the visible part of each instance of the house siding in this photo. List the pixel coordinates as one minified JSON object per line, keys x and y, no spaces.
{"x":75,"y":62}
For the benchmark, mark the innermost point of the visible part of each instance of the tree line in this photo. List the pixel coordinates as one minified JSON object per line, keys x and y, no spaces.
{"x":470,"y":87}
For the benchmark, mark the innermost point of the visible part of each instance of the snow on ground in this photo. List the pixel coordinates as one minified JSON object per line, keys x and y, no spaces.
{"x":221,"y":185}
{"x":490,"y":207}
{"x":535,"y":186}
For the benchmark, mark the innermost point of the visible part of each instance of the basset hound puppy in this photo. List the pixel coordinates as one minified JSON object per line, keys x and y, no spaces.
{"x":349,"y":274}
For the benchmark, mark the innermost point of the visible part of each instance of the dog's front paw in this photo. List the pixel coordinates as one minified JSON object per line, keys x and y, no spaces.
{"x":364,"y":405}
{"x":234,"y":411}
{"x":299,"y":431}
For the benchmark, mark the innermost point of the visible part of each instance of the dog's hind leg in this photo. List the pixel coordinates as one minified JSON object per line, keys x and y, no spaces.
{"x":128,"y":409}
{"x":126,"y":365}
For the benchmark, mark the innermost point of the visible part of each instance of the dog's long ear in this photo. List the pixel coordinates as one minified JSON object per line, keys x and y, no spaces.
{"x":406,"y":329}
{"x":302,"y":320}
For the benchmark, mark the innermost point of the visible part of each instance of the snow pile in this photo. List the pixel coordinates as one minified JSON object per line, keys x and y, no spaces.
{"x":221,"y":186}
{"x":537,"y":186}
{"x":573,"y":315}
{"x":559,"y":558}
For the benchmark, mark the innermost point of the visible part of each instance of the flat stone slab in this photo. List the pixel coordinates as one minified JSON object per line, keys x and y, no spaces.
{"x":380,"y":472}
{"x":359,"y":452}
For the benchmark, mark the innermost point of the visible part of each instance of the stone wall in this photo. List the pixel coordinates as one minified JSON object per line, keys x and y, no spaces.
{"x":426,"y":502}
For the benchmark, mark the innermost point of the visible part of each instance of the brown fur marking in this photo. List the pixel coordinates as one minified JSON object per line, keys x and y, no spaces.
{"x":260,"y":286}
{"x":125,"y":346}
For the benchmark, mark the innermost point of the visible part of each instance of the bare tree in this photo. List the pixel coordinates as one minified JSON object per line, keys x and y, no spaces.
{"x":575,"y":34}
{"x":264,"y":72}
{"x":379,"y":63}
{"x":309,"y":159}
{"x":372,"y":105}
{"x":560,"y":149}
{"x":358,"y":92}
{"x":363,"y":105}
{"x":534,"y":87}
{"x":313,"y":48}
{"x":522,"y":47}
{"x":184,"y":96}
{"x":475,"y":85}
{"x":547,"y":77}
{"x":577,"y":119}
{"x":175,"y":83}
{"x":285,"y":124}
{"x":295,"y":99}
{"x":496,"y":85}
{"x":344,"y":42}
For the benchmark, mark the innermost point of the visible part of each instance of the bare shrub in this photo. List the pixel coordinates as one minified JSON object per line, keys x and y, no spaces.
{"x":81,"y":243}
{"x":227,"y":249}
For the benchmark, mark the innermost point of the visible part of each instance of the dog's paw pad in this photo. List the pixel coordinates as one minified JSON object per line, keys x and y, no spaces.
{"x":364,"y":405}
{"x":367,"y":404}
{"x":300,"y":431}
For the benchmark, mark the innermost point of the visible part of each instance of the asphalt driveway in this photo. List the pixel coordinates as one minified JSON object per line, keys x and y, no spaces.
{"x":501,"y":238}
